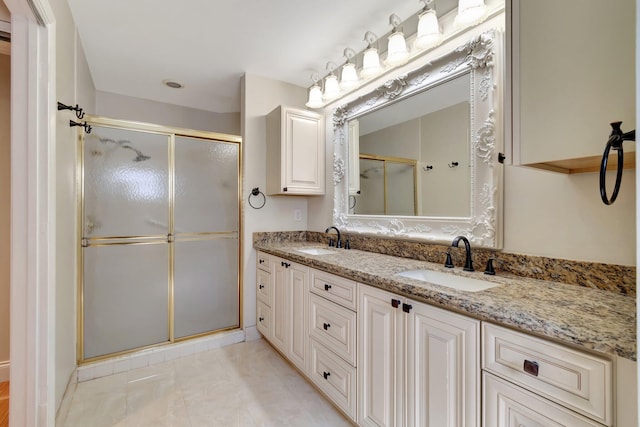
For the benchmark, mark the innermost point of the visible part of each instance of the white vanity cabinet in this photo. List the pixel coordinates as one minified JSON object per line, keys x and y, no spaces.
{"x":295,"y":152}
{"x":571,"y":80}
{"x":264,"y":295}
{"x":288,"y":309}
{"x":529,"y":381}
{"x":332,"y":333}
{"x":418,"y":365}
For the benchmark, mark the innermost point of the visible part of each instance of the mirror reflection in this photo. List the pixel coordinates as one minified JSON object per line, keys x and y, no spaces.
{"x":414,"y":155}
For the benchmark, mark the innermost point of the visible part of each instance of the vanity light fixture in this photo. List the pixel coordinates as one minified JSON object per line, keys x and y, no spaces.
{"x":371,"y":60}
{"x":349,"y":78}
{"x":397,"y":52}
{"x":429,"y":34}
{"x":470,"y":12}
{"x":331,"y":86}
{"x":315,"y":93}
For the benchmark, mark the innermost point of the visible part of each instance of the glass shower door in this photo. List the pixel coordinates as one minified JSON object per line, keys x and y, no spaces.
{"x":206,"y":283}
{"x":125,"y":255}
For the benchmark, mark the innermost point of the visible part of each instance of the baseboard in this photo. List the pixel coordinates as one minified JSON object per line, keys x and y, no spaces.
{"x":65,"y":404}
{"x":251,"y":334}
{"x":4,"y":371}
{"x":156,"y":355}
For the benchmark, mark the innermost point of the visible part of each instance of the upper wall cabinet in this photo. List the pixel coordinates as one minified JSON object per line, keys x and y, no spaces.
{"x":573,"y":70}
{"x":295,"y":152}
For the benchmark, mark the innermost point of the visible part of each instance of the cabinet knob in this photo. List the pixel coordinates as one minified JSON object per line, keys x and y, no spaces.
{"x":261,"y":286}
{"x":261,"y":261}
{"x":326,"y":375}
{"x":326,"y":326}
{"x":261,"y":319}
{"x":406,"y":307}
{"x":395,"y":303}
{"x":531,"y":367}
{"x":327,"y":286}
{"x":284,"y":189}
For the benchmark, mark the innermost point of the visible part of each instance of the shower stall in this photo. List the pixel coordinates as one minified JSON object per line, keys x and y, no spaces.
{"x":160,"y":236}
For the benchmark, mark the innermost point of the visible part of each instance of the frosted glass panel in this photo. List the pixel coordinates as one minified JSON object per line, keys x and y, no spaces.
{"x":125,"y":297}
{"x":400,"y":189}
{"x":125,"y":183}
{"x":206,"y":286}
{"x":371,"y":198}
{"x":206,"y":186}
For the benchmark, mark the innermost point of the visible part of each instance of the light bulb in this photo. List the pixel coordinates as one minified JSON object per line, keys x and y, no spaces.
{"x":397,"y":52}
{"x":315,"y":97}
{"x":429,"y":34}
{"x":370,"y":63}
{"x":349,"y":78}
{"x":470,"y":12}
{"x":331,"y":87}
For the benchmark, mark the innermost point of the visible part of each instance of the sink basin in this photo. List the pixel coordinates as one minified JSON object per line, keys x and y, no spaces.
{"x":453,"y":281}
{"x":315,"y":251}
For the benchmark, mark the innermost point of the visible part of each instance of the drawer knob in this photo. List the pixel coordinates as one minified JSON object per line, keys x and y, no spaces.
{"x":327,"y":286}
{"x":395,"y":303}
{"x":261,"y":261}
{"x":326,"y":326}
{"x":261,"y":286}
{"x":326,"y":375}
{"x":531,"y":367}
{"x":261,"y":319}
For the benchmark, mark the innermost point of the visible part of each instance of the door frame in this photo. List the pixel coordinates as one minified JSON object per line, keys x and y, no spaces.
{"x":32,"y":401}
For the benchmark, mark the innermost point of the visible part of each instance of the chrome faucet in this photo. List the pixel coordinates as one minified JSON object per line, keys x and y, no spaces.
{"x":468,"y":263}
{"x":339,"y":242}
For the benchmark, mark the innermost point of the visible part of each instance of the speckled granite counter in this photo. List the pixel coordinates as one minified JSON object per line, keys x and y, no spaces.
{"x":586,"y":318}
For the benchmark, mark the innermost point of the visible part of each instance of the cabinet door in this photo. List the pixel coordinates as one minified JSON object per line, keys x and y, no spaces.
{"x":279,"y":330}
{"x":506,"y":405}
{"x":298,"y":302}
{"x":303,"y":152}
{"x":380,"y":342}
{"x":443,"y":368}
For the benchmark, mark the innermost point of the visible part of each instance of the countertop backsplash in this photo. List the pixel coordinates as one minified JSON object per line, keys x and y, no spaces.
{"x":608,"y":277}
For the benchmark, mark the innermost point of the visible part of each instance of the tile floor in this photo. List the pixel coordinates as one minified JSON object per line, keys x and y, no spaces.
{"x":245,"y":384}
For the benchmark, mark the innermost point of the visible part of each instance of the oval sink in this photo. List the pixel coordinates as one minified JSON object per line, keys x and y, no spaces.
{"x":460,"y":283}
{"x":315,"y":251}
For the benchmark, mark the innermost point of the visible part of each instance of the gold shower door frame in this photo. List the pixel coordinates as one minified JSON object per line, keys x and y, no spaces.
{"x":400,"y":161}
{"x":171,"y":133}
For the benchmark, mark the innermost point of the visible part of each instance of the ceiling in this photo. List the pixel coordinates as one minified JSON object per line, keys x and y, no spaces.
{"x":207,"y":45}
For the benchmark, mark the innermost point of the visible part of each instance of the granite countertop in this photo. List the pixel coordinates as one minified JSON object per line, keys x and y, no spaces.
{"x":593,"y":319}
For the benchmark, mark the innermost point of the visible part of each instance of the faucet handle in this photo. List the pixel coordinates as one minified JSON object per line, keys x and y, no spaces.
{"x":449,"y":262}
{"x":489,"y":269}
{"x":339,"y":244}
{"x":347,"y":245}
{"x":331,"y":244}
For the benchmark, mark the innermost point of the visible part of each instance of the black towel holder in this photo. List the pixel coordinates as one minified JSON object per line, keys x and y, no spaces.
{"x":255,"y":192}
{"x":616,"y":138}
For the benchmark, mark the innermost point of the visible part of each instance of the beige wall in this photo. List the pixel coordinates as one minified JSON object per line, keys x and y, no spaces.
{"x":73,"y":86}
{"x":142,"y":110}
{"x":259,"y":97}
{"x":5,"y":208}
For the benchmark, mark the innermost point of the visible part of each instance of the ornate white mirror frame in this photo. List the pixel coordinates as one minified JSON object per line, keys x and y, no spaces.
{"x":481,"y":58}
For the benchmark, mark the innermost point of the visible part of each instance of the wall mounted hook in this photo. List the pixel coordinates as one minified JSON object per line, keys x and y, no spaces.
{"x":453,"y":164}
{"x":427,"y":168}
{"x":77,"y":110}
{"x":86,"y":127}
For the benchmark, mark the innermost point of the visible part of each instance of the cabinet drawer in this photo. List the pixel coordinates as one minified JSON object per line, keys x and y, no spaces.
{"x":335,"y":288}
{"x":574,"y":379}
{"x":335,"y":377}
{"x":263,"y":286}
{"x":262,"y":262}
{"x":263,"y":319}
{"x":508,"y":405}
{"x":334,"y":326}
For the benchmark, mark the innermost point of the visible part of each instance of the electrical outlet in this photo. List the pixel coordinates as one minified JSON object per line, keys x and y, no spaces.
{"x":297,"y":215}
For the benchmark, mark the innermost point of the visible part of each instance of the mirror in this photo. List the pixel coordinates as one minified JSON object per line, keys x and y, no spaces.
{"x":419,"y":157}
